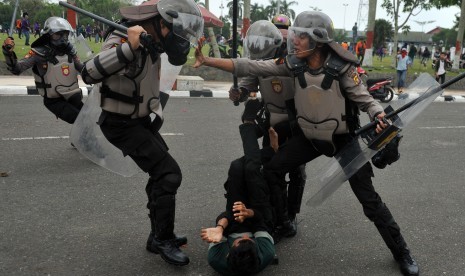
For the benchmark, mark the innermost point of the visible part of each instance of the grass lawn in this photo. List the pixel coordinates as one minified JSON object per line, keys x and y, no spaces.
{"x":383,"y":66}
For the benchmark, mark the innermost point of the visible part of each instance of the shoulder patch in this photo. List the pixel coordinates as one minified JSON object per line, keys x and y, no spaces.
{"x":352,"y":73}
{"x":29,"y":54}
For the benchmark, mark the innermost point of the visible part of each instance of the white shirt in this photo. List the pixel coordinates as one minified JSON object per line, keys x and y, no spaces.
{"x":441,"y":69}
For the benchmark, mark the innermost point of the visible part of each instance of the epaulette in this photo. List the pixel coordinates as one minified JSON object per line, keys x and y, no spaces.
{"x":42,"y":50}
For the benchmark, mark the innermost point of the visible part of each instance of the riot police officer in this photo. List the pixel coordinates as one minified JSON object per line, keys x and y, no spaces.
{"x":328,"y":91}
{"x":265,"y":41}
{"x":129,"y":72}
{"x":55,"y":66}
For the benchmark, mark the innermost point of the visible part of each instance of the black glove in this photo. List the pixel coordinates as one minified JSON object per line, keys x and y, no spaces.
{"x":238,"y":94}
{"x":8,"y":46}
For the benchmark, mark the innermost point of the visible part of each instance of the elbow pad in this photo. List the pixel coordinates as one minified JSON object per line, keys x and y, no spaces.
{"x":107,"y":63}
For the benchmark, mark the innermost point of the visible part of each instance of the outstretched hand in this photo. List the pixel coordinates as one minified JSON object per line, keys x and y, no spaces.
{"x":199,"y":57}
{"x":241,"y":212}
{"x":213,"y":234}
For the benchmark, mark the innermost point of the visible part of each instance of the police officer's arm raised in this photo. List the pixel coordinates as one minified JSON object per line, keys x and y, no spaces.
{"x":105,"y":64}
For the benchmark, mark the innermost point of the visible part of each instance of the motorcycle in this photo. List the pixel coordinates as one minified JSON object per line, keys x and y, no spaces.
{"x":379,"y":89}
{"x":224,"y":52}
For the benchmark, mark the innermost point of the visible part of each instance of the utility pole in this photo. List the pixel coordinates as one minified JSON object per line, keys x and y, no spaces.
{"x":368,"y":57}
{"x":246,"y":19}
{"x":278,"y":4}
{"x":345,"y":8}
{"x":12,"y":25}
{"x":458,"y":42}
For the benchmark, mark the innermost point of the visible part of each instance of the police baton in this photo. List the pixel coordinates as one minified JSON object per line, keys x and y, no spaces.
{"x":411,"y":103}
{"x":145,"y":38}
{"x":234,"y":44}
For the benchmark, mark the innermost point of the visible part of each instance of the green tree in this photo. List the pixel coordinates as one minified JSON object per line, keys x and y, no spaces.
{"x":396,"y":8}
{"x":284,"y":8}
{"x":257,"y":12}
{"x":446,"y":38}
{"x":240,"y":6}
{"x":383,"y":32}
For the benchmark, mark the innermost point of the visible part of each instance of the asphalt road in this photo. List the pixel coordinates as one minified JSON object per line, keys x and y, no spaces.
{"x":60,"y":214}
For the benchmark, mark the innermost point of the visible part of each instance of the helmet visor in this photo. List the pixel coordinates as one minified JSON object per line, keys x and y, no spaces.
{"x":261,"y":47}
{"x":304,"y":39}
{"x":188,"y":27}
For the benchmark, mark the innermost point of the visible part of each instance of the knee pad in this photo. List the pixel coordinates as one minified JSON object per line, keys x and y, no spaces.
{"x":168,"y":184}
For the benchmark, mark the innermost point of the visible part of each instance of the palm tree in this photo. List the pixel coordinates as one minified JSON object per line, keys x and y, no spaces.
{"x":257,"y":12}
{"x":240,"y":5}
{"x":284,"y":8}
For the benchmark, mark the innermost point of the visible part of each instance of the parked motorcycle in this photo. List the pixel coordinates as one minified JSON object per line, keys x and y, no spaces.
{"x":380,"y":89}
{"x":224,"y":51}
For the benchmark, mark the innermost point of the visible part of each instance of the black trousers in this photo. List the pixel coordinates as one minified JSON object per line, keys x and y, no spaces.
{"x":246,"y":183}
{"x":147,"y":148}
{"x":67,"y":111}
{"x":442,"y":78}
{"x":299,"y":150}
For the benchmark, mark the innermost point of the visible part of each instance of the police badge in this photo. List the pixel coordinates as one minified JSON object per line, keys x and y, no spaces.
{"x":65,"y":70}
{"x":277,"y":86}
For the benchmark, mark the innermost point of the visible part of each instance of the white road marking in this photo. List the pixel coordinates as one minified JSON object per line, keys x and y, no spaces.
{"x":67,"y":137}
{"x":445,"y":127}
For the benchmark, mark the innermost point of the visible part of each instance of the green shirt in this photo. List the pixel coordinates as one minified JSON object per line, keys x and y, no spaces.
{"x":218,"y":252}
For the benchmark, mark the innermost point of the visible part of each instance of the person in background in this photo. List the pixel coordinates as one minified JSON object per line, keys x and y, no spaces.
{"x":411,"y":53}
{"x":440,"y":68}
{"x":18,"y":27}
{"x":403,"y":61}
{"x":36,"y":29}
{"x":55,"y":66}
{"x":25,"y":27}
{"x":425,"y":56}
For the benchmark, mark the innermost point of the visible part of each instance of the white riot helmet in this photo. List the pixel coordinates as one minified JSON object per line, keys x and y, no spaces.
{"x":56,"y":24}
{"x":59,"y":30}
{"x":317,"y":26}
{"x":262,"y":41}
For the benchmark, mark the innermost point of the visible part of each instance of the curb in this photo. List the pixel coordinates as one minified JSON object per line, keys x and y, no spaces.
{"x":205,"y":93}
{"x":31,"y":90}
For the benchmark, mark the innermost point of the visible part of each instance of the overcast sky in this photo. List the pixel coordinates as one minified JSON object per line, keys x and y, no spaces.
{"x":336,"y":10}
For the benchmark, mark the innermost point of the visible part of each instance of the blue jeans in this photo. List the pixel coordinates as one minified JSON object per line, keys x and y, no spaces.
{"x":401,"y":75}
{"x":26,"y":35}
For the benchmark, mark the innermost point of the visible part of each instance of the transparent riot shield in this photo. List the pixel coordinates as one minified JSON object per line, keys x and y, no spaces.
{"x":83,"y":49}
{"x":355,"y":154}
{"x":89,"y":139}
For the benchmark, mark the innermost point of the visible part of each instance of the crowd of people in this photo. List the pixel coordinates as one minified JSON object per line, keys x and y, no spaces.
{"x":290,"y":65}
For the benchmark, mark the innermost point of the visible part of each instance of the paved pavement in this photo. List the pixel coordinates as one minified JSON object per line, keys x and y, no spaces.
{"x":24,"y":85}
{"x":61,"y":214}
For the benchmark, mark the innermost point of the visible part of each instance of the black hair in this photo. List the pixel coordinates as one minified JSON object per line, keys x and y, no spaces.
{"x":243,"y":258}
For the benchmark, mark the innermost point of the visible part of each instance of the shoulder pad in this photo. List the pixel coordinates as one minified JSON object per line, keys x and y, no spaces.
{"x":335,"y":63}
{"x":42,"y":50}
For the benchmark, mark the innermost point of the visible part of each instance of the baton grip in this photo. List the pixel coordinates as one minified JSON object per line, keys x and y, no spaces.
{"x":366,"y":127}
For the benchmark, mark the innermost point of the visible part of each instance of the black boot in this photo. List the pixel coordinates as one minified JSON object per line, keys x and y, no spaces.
{"x":179,"y":241}
{"x":407,"y":264}
{"x":164,"y":240}
{"x":390,"y":232}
